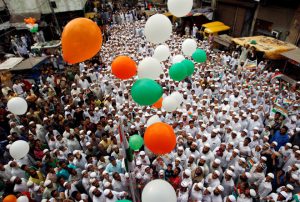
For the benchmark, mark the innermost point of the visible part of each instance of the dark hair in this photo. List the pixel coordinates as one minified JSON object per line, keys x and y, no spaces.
{"x":285,"y":127}
{"x":248,"y":138}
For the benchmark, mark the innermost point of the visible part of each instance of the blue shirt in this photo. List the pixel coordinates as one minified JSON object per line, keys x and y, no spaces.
{"x":118,"y":168}
{"x":280,"y":139}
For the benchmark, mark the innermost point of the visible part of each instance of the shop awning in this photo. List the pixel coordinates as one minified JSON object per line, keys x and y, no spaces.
{"x":270,"y":46}
{"x":29,"y":63}
{"x":293,"y":55}
{"x":10,"y":63}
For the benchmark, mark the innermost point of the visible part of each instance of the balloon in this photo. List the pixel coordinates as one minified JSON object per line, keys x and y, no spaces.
{"x":199,"y":55}
{"x":10,"y":198}
{"x":19,"y":149}
{"x":123,"y":67}
{"x":189,"y":46}
{"x":158,"y":29}
{"x":177,"y":59}
{"x":17,"y":105}
{"x":158,"y":191}
{"x":136,"y":142}
{"x":23,"y":199}
{"x":149,"y":68}
{"x":162,"y":53}
{"x":81,"y":40}
{"x":146,"y":92}
{"x":178,"y":72}
{"x":160,"y":138}
{"x":170,"y":104}
{"x":158,"y":104}
{"x":180,"y":8}
{"x":178,"y":97}
{"x":153,"y":119}
{"x":36,"y":25}
{"x":190,"y":67}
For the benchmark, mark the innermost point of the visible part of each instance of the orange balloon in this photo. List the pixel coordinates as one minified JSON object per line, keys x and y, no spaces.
{"x":123,"y":67}
{"x":160,"y":138}
{"x":10,"y":198}
{"x":81,"y":40}
{"x":158,"y":104}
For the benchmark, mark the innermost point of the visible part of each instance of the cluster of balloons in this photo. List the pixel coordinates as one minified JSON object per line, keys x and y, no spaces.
{"x":31,"y":24}
{"x":81,"y":40}
{"x":17,"y":105}
{"x":13,"y":198}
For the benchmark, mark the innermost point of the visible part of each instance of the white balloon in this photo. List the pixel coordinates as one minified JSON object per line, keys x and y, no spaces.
{"x":180,"y":8}
{"x":159,"y":191}
{"x":178,"y":97}
{"x":153,"y":119}
{"x":158,"y":29}
{"x":19,"y":149}
{"x":170,"y":104}
{"x":162,"y":53}
{"x":189,"y":46}
{"x":17,"y":105}
{"x":149,"y":68}
{"x":23,"y":199}
{"x":177,"y":59}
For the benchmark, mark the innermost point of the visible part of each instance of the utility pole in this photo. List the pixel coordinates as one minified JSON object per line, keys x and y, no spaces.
{"x":55,"y":19}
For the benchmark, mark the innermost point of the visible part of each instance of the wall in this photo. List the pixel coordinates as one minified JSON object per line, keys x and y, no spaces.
{"x":281,"y":17}
{"x":42,"y":6}
{"x":294,"y":36}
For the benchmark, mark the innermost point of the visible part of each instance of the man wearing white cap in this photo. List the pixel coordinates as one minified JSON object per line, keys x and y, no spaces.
{"x":281,"y":196}
{"x":196,"y":191}
{"x":143,"y":158}
{"x":265,"y":187}
{"x":228,"y":183}
{"x":183,"y":192}
{"x":217,"y":194}
{"x":213,"y":179}
{"x":98,"y":195}
{"x":186,"y":178}
{"x":20,"y":184}
{"x":113,"y":196}
{"x":229,"y":198}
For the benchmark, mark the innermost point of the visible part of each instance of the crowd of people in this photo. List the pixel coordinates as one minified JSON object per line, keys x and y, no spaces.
{"x":232,"y":144}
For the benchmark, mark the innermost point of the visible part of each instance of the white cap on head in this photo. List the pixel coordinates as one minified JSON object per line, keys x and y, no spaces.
{"x":220,"y":187}
{"x":187,"y":172}
{"x":106,"y":192}
{"x":184,"y":184}
{"x":229,"y":172}
{"x":142,"y":153}
{"x":29,"y":183}
{"x":217,"y":161}
{"x":232,"y":198}
{"x":284,"y":194}
{"x":252,"y":192}
{"x":47,"y":183}
{"x":271,"y":175}
{"x":289,"y":186}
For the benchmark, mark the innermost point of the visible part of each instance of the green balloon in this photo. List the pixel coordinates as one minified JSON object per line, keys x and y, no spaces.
{"x":146,"y":91}
{"x":136,"y":142}
{"x":199,"y":56}
{"x":190,"y":66}
{"x":124,"y":200}
{"x":178,"y":71}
